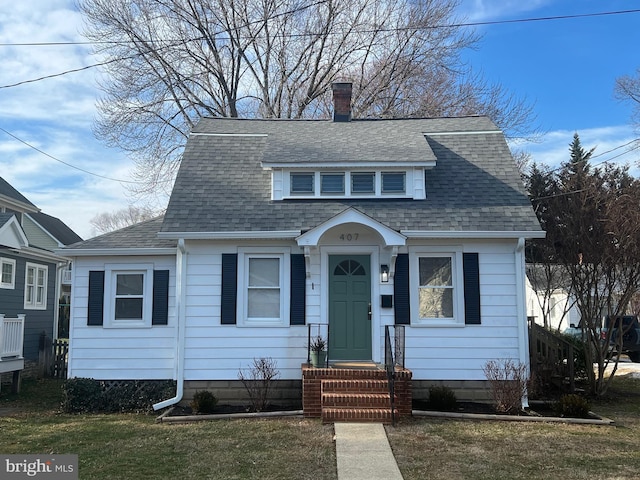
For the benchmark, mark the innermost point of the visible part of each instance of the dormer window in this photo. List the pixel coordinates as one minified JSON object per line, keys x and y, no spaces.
{"x":358,"y":183}
{"x":393,"y":182}
{"x":302,"y":183}
{"x":332,"y":183}
{"x":363,"y":183}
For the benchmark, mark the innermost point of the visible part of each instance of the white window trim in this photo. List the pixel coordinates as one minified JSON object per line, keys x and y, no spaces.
{"x":12,"y":284}
{"x":458,"y":287}
{"x":283,"y":254}
{"x":34,"y":304}
{"x":111,"y":271}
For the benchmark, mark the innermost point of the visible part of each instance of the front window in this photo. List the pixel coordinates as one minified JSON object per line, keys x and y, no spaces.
{"x":262,"y":277}
{"x":436,"y":282}
{"x":436,"y":287}
{"x":7,"y":273}
{"x":35,"y":288}
{"x":128,"y":296}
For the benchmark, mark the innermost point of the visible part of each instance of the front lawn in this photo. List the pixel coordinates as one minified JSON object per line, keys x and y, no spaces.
{"x":463,"y":449}
{"x":127,"y":446}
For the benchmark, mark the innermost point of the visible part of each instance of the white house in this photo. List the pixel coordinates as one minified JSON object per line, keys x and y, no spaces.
{"x":275,"y":225}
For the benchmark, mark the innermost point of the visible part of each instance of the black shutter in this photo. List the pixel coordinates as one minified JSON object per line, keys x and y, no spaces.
{"x":298,"y":290}
{"x":471,"y":270}
{"x":96,"y":298}
{"x":229,"y":288}
{"x":401,"y":290}
{"x":160,"y":312}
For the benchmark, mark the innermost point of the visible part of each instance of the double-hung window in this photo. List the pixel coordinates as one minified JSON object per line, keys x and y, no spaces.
{"x":128,"y":295}
{"x":438,"y":285}
{"x":262,"y":289}
{"x":35,"y":286}
{"x":7,"y":273}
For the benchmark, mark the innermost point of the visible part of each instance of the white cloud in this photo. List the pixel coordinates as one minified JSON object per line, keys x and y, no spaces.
{"x":612,"y":143}
{"x":487,"y":10}
{"x":54,"y":115}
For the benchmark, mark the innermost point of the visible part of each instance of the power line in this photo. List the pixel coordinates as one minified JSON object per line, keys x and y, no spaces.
{"x":63,"y":162}
{"x":291,"y":35}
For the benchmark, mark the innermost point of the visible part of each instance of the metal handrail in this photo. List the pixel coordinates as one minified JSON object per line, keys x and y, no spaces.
{"x":389,"y":365}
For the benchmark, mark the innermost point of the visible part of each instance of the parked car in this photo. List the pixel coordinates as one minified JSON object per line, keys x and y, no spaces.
{"x":630,"y":335}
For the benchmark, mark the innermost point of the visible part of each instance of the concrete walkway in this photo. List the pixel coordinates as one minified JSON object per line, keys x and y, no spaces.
{"x":363,"y":452}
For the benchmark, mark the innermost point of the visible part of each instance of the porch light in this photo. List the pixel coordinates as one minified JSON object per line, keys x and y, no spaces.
{"x":384,"y":273}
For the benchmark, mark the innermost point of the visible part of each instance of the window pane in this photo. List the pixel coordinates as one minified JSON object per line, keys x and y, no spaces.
{"x":41,"y":274}
{"x":436,"y":303}
{"x":264,"y":303}
{"x":40,"y":295}
{"x":129,"y":284}
{"x":29,"y":294}
{"x":332,"y":182}
{"x":7,"y":273}
{"x":393,"y":182}
{"x":302,"y":183}
{"x":435,"y":271}
{"x":264,"y":272}
{"x":128,"y":308}
{"x":30,"y":275}
{"x":362,"y":183}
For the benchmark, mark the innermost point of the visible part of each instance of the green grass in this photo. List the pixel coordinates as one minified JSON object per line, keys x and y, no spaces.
{"x":122,"y":446}
{"x":453,"y":449}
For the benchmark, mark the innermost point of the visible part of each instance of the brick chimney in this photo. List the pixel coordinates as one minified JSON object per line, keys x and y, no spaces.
{"x":341,"y":102}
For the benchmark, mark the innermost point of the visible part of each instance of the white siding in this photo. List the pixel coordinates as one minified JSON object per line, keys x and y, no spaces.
{"x":217,"y":352}
{"x":120,"y":353}
{"x":460,"y":352}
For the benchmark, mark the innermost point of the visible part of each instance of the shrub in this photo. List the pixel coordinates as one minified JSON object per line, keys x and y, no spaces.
{"x":81,"y":395}
{"x":89,"y":395}
{"x":442,"y":398}
{"x":203,"y":402}
{"x":258,"y":381}
{"x":508,"y":383}
{"x":572,"y":405}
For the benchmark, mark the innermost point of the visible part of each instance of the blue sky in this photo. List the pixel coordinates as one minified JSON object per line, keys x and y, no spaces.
{"x":567,"y":68}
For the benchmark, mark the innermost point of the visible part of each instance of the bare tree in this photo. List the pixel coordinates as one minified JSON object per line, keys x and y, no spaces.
{"x":628,"y":89}
{"x":109,"y":221}
{"x":174,"y":61}
{"x":592,"y":222}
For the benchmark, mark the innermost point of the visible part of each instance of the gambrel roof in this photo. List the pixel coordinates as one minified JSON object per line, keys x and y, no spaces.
{"x":472,"y":183}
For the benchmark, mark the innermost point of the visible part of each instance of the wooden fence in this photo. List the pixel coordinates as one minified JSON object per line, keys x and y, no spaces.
{"x":54,"y":355}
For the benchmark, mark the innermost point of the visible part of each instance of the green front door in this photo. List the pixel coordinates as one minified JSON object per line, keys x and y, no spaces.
{"x":350,"y":307}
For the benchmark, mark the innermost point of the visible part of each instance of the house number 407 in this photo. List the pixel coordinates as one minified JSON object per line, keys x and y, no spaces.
{"x":349,"y":237}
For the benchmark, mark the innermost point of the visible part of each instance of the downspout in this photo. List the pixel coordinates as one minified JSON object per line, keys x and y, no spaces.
{"x":181,"y":275}
{"x":523,"y":331}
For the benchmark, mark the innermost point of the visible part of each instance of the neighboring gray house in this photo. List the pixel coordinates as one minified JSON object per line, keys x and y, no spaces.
{"x":275,"y":225}
{"x":32,"y":277}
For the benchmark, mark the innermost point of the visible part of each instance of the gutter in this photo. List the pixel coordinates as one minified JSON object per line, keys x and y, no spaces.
{"x":181,"y":276}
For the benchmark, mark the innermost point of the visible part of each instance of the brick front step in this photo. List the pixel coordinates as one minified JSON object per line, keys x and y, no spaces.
{"x":377,"y":415}
{"x":355,"y":400}
{"x":355,"y":386}
{"x":353,"y":394}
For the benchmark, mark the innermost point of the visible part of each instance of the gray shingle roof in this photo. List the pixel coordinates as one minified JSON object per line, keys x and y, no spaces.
{"x":56,"y":227}
{"x":222,"y":186}
{"x":7,"y":190}
{"x":140,"y":235}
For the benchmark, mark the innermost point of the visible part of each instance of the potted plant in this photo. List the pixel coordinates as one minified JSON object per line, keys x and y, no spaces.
{"x":318,"y":351}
